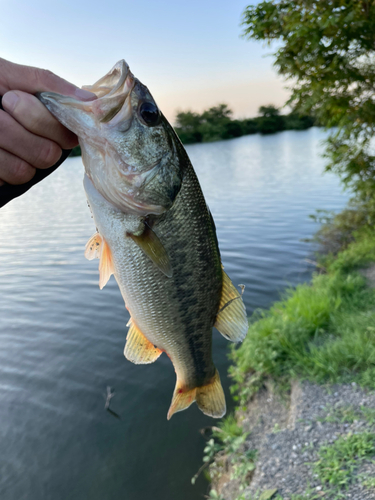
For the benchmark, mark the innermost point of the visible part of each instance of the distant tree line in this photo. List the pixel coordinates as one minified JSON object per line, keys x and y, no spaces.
{"x":216,"y":123}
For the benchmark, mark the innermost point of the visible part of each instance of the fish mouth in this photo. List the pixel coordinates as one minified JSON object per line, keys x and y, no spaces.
{"x":114,"y":82}
{"x":93,"y":121}
{"x":111,"y":107}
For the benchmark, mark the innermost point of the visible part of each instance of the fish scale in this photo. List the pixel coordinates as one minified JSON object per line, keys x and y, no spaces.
{"x":182,"y":307}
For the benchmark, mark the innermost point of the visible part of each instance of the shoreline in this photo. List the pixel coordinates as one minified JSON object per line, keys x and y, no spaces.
{"x":305,"y":390}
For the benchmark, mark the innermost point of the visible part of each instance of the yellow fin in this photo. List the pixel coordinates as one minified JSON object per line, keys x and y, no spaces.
{"x":97,"y":248}
{"x":231,"y":320}
{"x":150,"y":244}
{"x":211,"y":399}
{"x":105,"y":265}
{"x":93,"y":247}
{"x":138,"y":349}
{"x":182,"y":399}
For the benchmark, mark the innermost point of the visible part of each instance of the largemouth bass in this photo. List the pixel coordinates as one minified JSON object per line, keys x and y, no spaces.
{"x":155,"y":234}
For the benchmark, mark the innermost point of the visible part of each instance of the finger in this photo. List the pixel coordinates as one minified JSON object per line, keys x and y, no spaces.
{"x":35,"y":150}
{"x":32,"y":80}
{"x":14,"y":170}
{"x":29,"y":112}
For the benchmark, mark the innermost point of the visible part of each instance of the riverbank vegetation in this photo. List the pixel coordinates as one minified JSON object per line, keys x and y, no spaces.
{"x":333,"y":79}
{"x":216,"y":123}
{"x":324,"y":331}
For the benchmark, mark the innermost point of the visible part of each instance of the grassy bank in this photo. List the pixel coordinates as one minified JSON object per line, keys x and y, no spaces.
{"x":323,"y":332}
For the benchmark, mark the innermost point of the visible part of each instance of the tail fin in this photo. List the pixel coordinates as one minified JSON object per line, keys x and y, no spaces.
{"x":210,"y":398}
{"x":181,"y":399}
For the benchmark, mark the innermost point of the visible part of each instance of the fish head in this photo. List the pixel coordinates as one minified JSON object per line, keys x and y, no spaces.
{"x":131,"y":153}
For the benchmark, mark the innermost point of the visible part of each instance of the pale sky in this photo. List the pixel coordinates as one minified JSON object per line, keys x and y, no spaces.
{"x":189,"y":53}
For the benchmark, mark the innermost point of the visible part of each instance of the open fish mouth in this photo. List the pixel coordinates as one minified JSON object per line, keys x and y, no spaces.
{"x":110,"y":108}
{"x":119,"y":80}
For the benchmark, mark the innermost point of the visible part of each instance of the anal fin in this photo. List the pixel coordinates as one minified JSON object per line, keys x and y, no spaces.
{"x":138,"y":349}
{"x":231,"y":320}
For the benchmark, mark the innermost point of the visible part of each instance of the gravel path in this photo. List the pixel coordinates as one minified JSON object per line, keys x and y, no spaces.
{"x":289,"y":433}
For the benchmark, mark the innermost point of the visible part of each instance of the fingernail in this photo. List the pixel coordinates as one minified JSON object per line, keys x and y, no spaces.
{"x":9,"y":101}
{"x":85,"y":95}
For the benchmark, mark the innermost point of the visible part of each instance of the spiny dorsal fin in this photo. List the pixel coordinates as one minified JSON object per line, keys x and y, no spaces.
{"x":231,"y":320}
{"x":138,"y":349}
{"x":97,"y":248}
{"x":150,"y":244}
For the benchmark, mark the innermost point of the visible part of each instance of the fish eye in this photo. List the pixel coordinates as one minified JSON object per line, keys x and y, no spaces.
{"x":149,"y":113}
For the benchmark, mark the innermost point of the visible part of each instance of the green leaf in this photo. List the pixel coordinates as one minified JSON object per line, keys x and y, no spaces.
{"x":268,"y":494}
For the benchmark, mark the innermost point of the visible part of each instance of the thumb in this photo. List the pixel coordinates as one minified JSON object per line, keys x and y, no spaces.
{"x":29,"y":79}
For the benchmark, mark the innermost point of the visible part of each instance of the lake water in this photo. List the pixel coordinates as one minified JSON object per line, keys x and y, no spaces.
{"x":62,"y":339}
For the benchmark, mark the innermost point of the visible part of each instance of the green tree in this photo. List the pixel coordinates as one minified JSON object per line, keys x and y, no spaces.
{"x":269,"y":111}
{"x":187,"y":126}
{"x":215,"y":123}
{"x":295,"y":121}
{"x":327,"y":49}
{"x":270,"y":120}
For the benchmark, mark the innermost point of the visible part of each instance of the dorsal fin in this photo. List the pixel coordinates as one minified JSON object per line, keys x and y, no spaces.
{"x":231,"y":319}
{"x":97,"y":248}
{"x":138,"y":349}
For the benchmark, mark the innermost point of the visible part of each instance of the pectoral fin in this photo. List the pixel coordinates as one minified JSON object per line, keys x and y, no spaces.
{"x":138,"y":349}
{"x":150,"y":244}
{"x":231,"y":320}
{"x":97,"y":248}
{"x":93,"y":247}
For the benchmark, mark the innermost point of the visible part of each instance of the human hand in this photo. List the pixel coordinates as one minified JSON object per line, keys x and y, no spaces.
{"x":30,"y":137}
